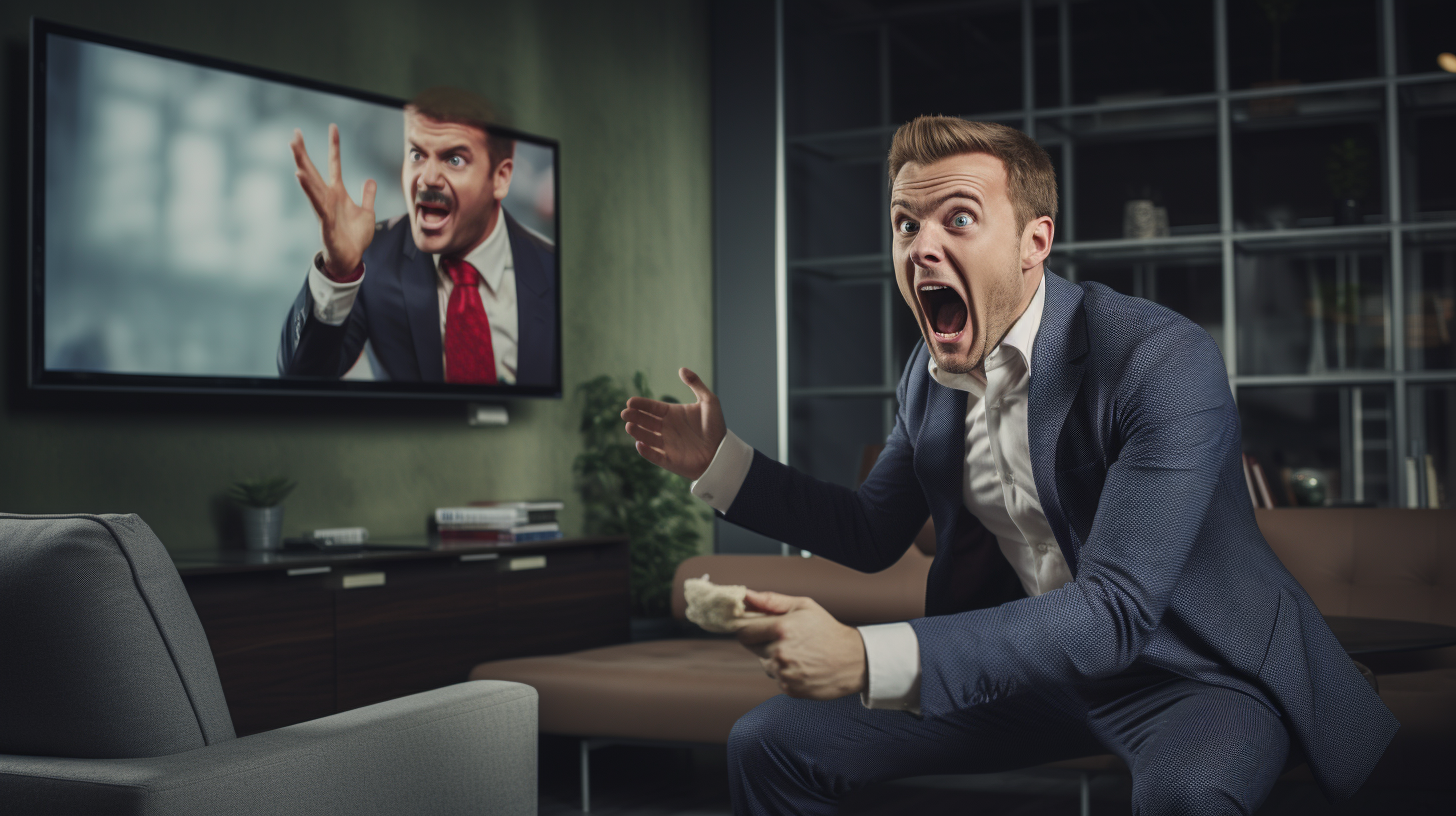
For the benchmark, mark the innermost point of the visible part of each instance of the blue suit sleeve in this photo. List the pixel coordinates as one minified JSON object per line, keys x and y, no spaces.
{"x":866,"y":529}
{"x":1178,"y":427}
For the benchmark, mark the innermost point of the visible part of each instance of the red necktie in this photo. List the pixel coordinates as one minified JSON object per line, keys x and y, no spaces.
{"x":469,"y":357}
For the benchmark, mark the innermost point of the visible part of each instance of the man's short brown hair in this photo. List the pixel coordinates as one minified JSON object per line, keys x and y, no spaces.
{"x":445,"y":104}
{"x":1031,"y":182}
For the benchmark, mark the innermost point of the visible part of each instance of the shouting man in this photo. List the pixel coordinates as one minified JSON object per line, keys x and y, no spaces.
{"x":1099,"y":583}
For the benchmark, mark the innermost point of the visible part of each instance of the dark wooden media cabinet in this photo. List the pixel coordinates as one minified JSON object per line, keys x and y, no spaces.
{"x":298,"y":636}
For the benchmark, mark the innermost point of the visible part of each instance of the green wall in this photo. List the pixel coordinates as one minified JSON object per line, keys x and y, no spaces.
{"x":623,"y":86}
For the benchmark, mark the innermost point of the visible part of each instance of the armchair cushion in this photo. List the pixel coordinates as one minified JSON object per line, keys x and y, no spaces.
{"x":105,"y":656}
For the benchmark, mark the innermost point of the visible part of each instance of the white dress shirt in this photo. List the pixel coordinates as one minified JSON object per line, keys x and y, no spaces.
{"x":332,"y":301}
{"x":997,"y":486}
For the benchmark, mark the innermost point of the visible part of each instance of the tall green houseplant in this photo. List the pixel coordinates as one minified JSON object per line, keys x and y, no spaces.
{"x":625,"y":494}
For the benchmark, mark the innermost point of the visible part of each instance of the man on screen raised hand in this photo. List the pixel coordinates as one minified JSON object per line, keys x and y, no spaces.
{"x":456,"y":291}
{"x":1099,"y":583}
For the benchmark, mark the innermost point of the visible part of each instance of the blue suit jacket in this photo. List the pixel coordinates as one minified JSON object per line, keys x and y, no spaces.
{"x":398,"y":312}
{"x":1135,"y":449}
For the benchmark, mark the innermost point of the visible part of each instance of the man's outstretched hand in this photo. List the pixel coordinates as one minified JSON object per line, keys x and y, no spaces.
{"x":347,"y":227}
{"x":680,"y":438}
{"x":811,"y":654}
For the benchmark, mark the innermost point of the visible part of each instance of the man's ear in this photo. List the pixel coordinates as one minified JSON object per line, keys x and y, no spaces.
{"x":501,"y":178}
{"x":1036,"y":242}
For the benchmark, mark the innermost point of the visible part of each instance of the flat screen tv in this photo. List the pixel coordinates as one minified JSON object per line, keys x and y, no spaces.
{"x":173,"y":249}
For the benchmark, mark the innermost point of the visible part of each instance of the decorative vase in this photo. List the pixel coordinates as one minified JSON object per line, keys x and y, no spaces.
{"x":1348,"y":211}
{"x":263,"y":528}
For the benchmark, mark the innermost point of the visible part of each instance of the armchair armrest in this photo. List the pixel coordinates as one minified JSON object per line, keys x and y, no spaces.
{"x":467,"y":748}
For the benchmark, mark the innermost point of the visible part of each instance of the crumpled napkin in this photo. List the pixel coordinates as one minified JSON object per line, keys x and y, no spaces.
{"x":717,"y":607}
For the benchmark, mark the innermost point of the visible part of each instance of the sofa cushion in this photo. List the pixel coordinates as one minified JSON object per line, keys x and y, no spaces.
{"x":1370,"y":562}
{"x":690,"y":690}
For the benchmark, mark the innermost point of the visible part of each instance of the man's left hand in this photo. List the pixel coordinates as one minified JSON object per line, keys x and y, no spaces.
{"x":811,"y":654}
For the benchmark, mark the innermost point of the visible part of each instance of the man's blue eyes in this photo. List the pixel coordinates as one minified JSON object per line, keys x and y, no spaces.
{"x":453,"y":161}
{"x":910,"y":227}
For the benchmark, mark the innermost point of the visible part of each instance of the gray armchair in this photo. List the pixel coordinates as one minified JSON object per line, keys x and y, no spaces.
{"x":110,"y":703}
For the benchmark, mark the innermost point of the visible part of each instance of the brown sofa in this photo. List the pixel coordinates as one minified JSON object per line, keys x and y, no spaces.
{"x":1357,"y":562}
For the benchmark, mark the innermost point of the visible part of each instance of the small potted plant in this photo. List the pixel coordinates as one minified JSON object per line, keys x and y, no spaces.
{"x":1348,"y":175}
{"x":261,"y":501}
{"x":624,"y":494}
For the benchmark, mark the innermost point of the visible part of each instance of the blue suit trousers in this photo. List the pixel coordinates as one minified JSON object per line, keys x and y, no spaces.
{"x":1193,"y":748}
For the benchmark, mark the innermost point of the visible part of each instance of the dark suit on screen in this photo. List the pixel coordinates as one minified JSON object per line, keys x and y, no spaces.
{"x":1135,"y":447}
{"x":398,"y":313}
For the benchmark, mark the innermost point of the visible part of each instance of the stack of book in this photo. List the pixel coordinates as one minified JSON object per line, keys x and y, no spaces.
{"x":497,"y":523}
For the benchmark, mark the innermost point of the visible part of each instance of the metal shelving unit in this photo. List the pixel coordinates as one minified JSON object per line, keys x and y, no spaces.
{"x":842,"y":161}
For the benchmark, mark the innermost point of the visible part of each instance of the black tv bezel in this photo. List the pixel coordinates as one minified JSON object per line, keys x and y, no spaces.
{"x":41,"y":381}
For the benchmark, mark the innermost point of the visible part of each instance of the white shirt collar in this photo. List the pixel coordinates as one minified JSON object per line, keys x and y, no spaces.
{"x":491,"y":257}
{"x":1018,"y":341}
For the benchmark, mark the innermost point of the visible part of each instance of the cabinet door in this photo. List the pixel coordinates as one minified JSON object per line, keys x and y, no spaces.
{"x":425,"y":627}
{"x":562,"y":600}
{"x":272,"y":637}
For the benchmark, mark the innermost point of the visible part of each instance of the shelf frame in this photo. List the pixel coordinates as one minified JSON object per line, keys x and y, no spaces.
{"x":869,"y":144}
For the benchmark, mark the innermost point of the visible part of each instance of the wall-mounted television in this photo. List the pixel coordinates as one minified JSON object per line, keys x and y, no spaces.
{"x":174,"y":250}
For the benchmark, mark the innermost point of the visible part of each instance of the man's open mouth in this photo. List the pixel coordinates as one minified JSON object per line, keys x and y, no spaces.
{"x":944,"y":310}
{"x":432,"y":210}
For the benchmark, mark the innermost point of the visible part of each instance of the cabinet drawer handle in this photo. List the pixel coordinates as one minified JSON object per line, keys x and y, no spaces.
{"x":527,"y":562}
{"x":309,"y":571}
{"x":466,"y":559}
{"x":363,"y":579}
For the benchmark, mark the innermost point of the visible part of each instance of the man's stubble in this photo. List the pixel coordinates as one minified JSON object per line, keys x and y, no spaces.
{"x":1003,"y":306}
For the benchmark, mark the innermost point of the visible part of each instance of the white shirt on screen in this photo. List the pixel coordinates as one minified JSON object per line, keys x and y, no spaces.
{"x":492,"y":258}
{"x":997,"y":486}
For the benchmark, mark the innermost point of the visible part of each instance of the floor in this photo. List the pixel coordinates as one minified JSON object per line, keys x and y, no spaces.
{"x":677,"y":781}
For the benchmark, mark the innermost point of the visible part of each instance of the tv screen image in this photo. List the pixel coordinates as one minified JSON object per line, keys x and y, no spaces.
{"x":172,"y":244}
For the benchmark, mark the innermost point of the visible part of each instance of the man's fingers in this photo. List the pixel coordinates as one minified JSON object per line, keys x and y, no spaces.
{"x":644,"y":436}
{"x":336,"y":172}
{"x":311,"y":192}
{"x":367,"y":201}
{"x":654,"y":455}
{"x":647,"y":406}
{"x":693,"y":381}
{"x":771,"y":602}
{"x":644,"y":419}
{"x":300,"y":157}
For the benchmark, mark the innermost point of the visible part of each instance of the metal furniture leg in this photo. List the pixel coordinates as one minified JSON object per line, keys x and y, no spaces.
{"x":1086,"y":794}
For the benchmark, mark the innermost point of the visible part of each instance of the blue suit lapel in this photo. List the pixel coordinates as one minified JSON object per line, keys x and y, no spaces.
{"x":1057,"y":365}
{"x":422,"y":309}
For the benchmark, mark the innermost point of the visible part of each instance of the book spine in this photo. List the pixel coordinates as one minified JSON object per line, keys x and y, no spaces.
{"x":1249,"y":482}
{"x":477,"y":515}
{"x":1265,"y":498}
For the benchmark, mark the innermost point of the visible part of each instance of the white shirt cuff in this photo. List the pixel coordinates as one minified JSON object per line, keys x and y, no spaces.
{"x":332,"y":300}
{"x":719,"y":484}
{"x":892,"y":652}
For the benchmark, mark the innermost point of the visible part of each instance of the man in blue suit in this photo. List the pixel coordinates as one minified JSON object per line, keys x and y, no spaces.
{"x":456,"y":292}
{"x":1099,"y":582}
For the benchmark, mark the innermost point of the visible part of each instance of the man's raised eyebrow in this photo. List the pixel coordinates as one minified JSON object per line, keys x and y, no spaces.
{"x":936,"y":204}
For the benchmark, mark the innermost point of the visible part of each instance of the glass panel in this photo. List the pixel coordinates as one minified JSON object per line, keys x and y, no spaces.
{"x":1313,"y":309}
{"x":955,"y":63}
{"x":827,"y":435}
{"x":1433,"y":445}
{"x":1308,"y":160}
{"x":1192,"y":287}
{"x":1430,"y":305}
{"x":1128,"y":49}
{"x":1428,"y":132}
{"x":1423,"y":29}
{"x":835,"y":332}
{"x":836,"y":205}
{"x":831,"y":70}
{"x":1284,"y":42}
{"x":1124,"y":159}
{"x":1321,"y":446}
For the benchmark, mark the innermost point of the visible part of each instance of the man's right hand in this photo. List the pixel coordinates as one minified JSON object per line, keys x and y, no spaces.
{"x":681,"y":438}
{"x":347,"y":227}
